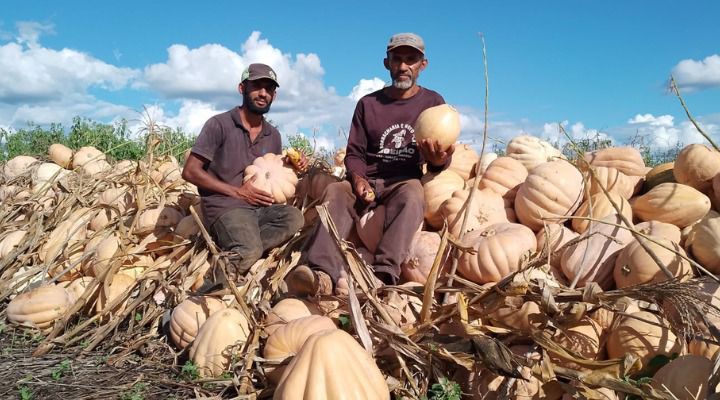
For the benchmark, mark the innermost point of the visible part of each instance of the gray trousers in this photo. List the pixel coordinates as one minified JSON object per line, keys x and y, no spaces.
{"x":404,"y":208}
{"x":248,"y":232}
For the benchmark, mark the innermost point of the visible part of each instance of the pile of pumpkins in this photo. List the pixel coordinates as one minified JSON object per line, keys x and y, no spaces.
{"x":529,"y":202}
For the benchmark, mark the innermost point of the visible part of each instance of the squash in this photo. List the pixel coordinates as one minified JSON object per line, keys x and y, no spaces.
{"x":659,"y":229}
{"x":592,"y":257}
{"x":370,"y":227}
{"x":441,"y":123}
{"x":187,"y":227}
{"x":272,"y":176}
{"x":339,"y":157}
{"x":60,"y":155}
{"x":109,"y":293}
{"x":504,"y":176}
{"x":612,"y":180}
{"x":287,"y":310}
{"x":703,"y":242}
{"x":686,"y":377}
{"x":696,"y":165}
{"x":215,"y":342}
{"x":421,"y":256}
{"x":583,"y":337}
{"x":188,"y":317}
{"x":487,"y":208}
{"x":501,"y":249}
{"x":119,"y":197}
{"x":661,"y":173}
{"x":703,"y":349}
{"x":17,"y":166}
{"x":45,"y":175}
{"x":600,"y":206}
{"x":104,"y":249}
{"x":490,"y":386}
{"x":90,"y":161}
{"x":463,"y":161}
{"x":39,"y":308}
{"x":673,"y":203}
{"x":634,"y":266}
{"x":627,"y":160}
{"x":641,"y":339}
{"x":552,"y":190}
{"x":331,"y":365}
{"x":532,"y":151}
{"x":517,"y":319}
{"x":12,"y":240}
{"x":67,"y":233}
{"x":157,"y":218}
{"x":438,"y":187}
{"x":558,"y":235}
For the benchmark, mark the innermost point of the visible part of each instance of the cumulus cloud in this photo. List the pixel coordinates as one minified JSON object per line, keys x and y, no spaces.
{"x":649,"y":119}
{"x":191,"y":116}
{"x":662,"y":132}
{"x":697,"y":75}
{"x":366,"y":86}
{"x":30,"y":72}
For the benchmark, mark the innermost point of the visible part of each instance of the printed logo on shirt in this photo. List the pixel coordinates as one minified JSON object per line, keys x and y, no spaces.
{"x":397,"y":143}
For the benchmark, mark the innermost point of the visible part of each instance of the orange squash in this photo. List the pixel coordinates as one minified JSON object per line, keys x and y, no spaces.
{"x":272,"y":176}
{"x":634,"y":266}
{"x":188,"y":317}
{"x":39,"y":308}
{"x":696,"y":165}
{"x":600,"y":206}
{"x":441,"y":123}
{"x":627,"y":160}
{"x":214,"y":344}
{"x":611,"y":179}
{"x":673,"y":203}
{"x":703,"y":242}
{"x":661,"y":229}
{"x":532,"y":151}
{"x":501,"y":249}
{"x":421,"y":256}
{"x":487,"y":208}
{"x":287,"y":310}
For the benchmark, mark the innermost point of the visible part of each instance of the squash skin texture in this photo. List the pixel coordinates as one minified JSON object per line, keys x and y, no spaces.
{"x":501,"y":248}
{"x":641,"y":339}
{"x":211,"y":350}
{"x":673,"y":203}
{"x":39,"y":308}
{"x":332,"y":366}
{"x":189,"y":316}
{"x":273,"y":177}
{"x":441,"y":123}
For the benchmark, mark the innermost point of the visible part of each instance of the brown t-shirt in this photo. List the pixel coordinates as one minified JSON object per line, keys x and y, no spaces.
{"x":225,"y":142}
{"x":382,"y":138}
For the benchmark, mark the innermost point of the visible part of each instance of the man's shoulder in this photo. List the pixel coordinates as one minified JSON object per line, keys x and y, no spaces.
{"x":429,"y":93}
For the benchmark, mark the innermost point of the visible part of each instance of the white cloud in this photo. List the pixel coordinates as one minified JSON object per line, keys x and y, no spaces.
{"x":366,"y":86}
{"x":191,"y":116}
{"x":662,"y":120}
{"x":697,"y":75}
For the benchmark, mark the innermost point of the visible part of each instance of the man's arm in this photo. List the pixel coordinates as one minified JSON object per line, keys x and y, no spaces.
{"x":355,"y":156}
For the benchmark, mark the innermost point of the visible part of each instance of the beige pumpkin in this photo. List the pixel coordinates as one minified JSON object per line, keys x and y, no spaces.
{"x":108,"y":294}
{"x":216,"y":340}
{"x":66,"y":234}
{"x":157,"y":218}
{"x":660,"y":229}
{"x":487,"y":208}
{"x":673,"y":203}
{"x":686,"y":377}
{"x":438,"y":187}
{"x":76,"y":288}
{"x":287,"y":310}
{"x":187,"y":227}
{"x":272,"y":176}
{"x":583,"y":338}
{"x":532,"y":151}
{"x":627,"y":160}
{"x":60,"y":155}
{"x":504,"y":176}
{"x":370,"y":227}
{"x":641,"y":339}
{"x":517,"y":319}
{"x":45,"y":175}
{"x":39,"y":308}
{"x":87,"y":154}
{"x":611,"y":179}
{"x":489,"y":386}
{"x":552,"y":238}
{"x":696,"y":165}
{"x":553,"y":190}
{"x":120,"y":197}
{"x":703,"y":242}
{"x":599,"y":206}
{"x":485,"y":160}
{"x":17,"y":166}
{"x":661,"y":173}
{"x":634,"y":266}
{"x":501,"y":249}
{"x":331,"y":365}
{"x":441,"y":123}
{"x":104,"y":249}
{"x":463,"y":161}
{"x":702,"y":348}
{"x":421,"y":257}
{"x":10,"y":242}
{"x":188,"y":317}
{"x":592,"y":257}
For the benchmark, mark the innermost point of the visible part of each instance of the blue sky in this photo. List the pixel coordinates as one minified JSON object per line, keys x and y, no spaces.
{"x":594,"y":66}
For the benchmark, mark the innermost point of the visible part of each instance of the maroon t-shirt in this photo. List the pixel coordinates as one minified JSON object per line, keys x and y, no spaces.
{"x":225,"y":142}
{"x":382,"y":138}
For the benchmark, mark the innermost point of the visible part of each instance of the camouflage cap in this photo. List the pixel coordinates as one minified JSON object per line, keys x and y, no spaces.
{"x":259,"y":71}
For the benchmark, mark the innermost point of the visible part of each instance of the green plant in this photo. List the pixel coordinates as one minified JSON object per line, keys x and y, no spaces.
{"x":135,"y":393}
{"x":189,"y":371}
{"x":445,"y":389}
{"x":300,"y":143}
{"x":24,"y":393}
{"x":60,"y":370}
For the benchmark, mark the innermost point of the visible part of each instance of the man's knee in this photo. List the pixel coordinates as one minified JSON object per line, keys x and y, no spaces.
{"x":411,"y":193}
{"x":338,"y":191}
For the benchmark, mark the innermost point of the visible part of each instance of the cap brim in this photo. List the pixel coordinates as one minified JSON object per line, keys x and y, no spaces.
{"x":263,"y":77}
{"x":405,"y":45}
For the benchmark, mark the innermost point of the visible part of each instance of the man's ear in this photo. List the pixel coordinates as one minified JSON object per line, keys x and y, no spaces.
{"x":386,"y":63}
{"x":241,"y":88}
{"x":423,"y":64}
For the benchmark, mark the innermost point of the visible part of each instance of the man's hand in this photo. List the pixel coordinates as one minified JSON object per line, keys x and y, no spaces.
{"x":297,"y":159}
{"x":363,"y":190}
{"x":432,"y":153}
{"x":251,"y":194}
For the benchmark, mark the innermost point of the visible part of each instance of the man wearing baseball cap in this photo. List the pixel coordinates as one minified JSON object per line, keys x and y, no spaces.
{"x":384,"y":163}
{"x":241,"y":218}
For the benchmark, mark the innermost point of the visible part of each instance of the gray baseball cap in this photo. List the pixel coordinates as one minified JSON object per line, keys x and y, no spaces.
{"x":406,"y":39}
{"x":259,"y":71}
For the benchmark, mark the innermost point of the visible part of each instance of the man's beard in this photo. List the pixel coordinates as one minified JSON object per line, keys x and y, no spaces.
{"x":404,"y":84}
{"x":247,"y":102}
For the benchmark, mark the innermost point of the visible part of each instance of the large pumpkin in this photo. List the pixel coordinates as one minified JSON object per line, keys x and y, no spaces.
{"x":611,"y":179}
{"x":531,"y":151}
{"x":439,"y":187}
{"x":287,"y":310}
{"x":157,"y":218}
{"x":370,"y":227}
{"x":634,"y":266}
{"x":487,"y":208}
{"x":60,"y":155}
{"x":552,"y":190}
{"x":441,"y":123}
{"x":627,"y":160}
{"x":463,"y":161}
{"x":108,"y":294}
{"x":17,"y":166}
{"x":501,"y":249}
{"x":673,"y":203}
{"x":642,"y":339}
{"x":421,"y":256}
{"x":583,"y":337}
{"x":188,"y":317}
{"x":214,"y":344}
{"x":554,"y":237}
{"x":504,"y":176}
{"x":272,"y":176}
{"x":39,"y":308}
{"x":331,"y":365}
{"x":686,"y":377}
{"x":696,"y":165}
{"x":600,"y":206}
{"x":10,"y":242}
{"x":703,"y":242}
{"x":659,"y":229}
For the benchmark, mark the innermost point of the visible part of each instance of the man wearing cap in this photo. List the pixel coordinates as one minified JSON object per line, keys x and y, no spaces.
{"x":242,"y":219}
{"x":384,"y":163}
